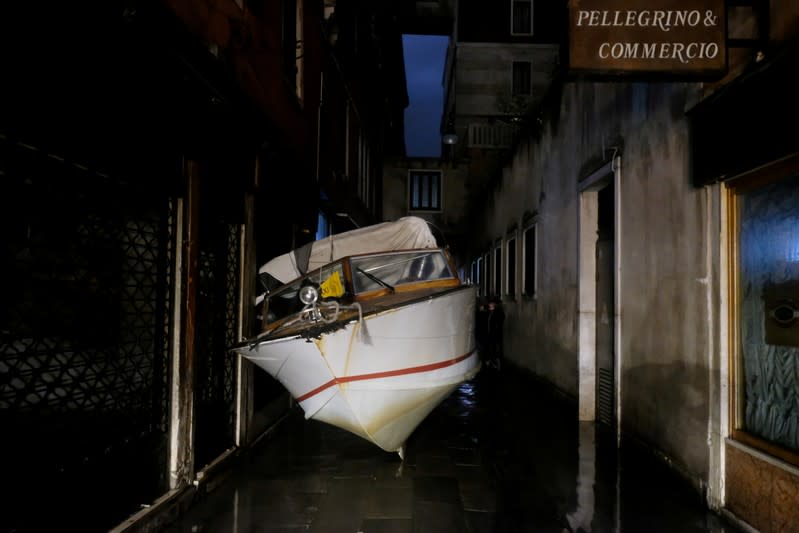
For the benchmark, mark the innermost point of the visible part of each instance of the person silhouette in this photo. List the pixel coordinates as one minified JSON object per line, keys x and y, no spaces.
{"x":495,"y":321}
{"x":481,"y":329}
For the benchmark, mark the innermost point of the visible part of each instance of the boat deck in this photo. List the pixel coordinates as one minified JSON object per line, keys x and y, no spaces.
{"x":377,"y":302}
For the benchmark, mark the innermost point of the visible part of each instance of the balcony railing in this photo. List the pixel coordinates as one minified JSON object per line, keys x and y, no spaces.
{"x":490,"y":135}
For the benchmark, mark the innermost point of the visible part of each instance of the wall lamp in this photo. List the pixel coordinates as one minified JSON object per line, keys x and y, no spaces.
{"x":450,"y":137}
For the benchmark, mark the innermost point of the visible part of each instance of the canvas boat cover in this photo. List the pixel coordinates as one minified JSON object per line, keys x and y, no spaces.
{"x":403,"y":234}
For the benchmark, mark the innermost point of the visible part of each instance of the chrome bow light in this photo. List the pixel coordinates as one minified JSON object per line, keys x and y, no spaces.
{"x":308,"y":295}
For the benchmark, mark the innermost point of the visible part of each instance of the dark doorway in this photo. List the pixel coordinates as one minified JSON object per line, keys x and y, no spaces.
{"x":605,"y":307}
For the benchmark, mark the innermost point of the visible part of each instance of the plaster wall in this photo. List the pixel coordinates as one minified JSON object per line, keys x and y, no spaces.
{"x":454,"y":196}
{"x":669,"y":278}
{"x":483,"y":75}
{"x":667,"y":260}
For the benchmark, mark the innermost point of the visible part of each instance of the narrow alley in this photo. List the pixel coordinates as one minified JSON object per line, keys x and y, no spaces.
{"x":501,"y":454}
{"x":218,"y":217}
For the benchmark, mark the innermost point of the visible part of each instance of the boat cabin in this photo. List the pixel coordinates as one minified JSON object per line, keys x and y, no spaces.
{"x":372,"y":281}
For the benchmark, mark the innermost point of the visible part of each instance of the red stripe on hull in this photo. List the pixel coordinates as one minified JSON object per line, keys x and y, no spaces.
{"x":386,"y":374}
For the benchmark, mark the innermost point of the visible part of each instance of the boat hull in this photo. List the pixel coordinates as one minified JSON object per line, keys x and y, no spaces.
{"x":380,"y":377}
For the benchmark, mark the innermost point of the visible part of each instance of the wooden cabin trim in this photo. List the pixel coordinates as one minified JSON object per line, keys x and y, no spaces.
{"x":408,"y":287}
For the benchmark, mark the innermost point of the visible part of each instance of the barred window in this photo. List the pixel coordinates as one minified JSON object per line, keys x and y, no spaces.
{"x":425,"y":190}
{"x":522,"y":78}
{"x":521,"y":18}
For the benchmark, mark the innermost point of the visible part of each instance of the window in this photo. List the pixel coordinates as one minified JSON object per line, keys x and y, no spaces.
{"x":485,"y":279}
{"x":425,"y":190}
{"x":363,"y":169}
{"x":510,"y":269}
{"x":529,"y":261}
{"x":498,"y":269}
{"x":376,"y":272}
{"x":322,"y":226}
{"x":765,"y":265}
{"x":351,"y":132}
{"x":292,"y":44}
{"x":299,"y":51}
{"x":521,"y":17}
{"x":522,"y":78}
{"x":367,"y":175}
{"x":475,"y":277}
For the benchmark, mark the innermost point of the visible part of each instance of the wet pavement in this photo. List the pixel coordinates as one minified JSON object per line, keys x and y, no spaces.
{"x":502,"y":454}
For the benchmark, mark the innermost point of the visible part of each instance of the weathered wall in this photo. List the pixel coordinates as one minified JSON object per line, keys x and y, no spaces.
{"x":667,"y":271}
{"x":395,"y":189}
{"x":454,"y":196}
{"x":483,"y":74}
{"x":666,"y":268}
{"x":673,"y":296}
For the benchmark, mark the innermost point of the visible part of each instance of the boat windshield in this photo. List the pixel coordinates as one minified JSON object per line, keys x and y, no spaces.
{"x":285,"y":301}
{"x":393,"y":269}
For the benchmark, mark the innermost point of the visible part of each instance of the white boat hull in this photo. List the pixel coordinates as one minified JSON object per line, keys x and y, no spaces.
{"x":381,"y":377}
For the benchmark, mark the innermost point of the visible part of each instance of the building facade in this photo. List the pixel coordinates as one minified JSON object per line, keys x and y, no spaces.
{"x":153,"y":154}
{"x":499,"y":65}
{"x":642,"y":240}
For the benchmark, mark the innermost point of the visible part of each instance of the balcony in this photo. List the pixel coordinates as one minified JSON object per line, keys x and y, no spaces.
{"x":490,"y":136}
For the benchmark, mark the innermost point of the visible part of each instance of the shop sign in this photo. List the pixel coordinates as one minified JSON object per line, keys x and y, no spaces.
{"x":672,"y":38}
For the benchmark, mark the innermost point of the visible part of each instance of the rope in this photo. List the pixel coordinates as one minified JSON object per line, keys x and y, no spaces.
{"x":318,"y":311}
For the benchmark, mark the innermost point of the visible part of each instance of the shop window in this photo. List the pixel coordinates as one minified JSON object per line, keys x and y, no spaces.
{"x":765,"y":311}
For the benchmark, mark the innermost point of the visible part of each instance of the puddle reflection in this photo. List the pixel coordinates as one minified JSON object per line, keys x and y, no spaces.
{"x":582,"y":517}
{"x":466,"y":396}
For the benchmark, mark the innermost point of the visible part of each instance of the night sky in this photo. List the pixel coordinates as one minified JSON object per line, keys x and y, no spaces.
{"x":424,"y":66}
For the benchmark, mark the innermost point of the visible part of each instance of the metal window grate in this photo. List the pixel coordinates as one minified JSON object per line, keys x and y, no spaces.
{"x":522,"y":17}
{"x":83,"y":341}
{"x":216,"y":330}
{"x":425,"y":189}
